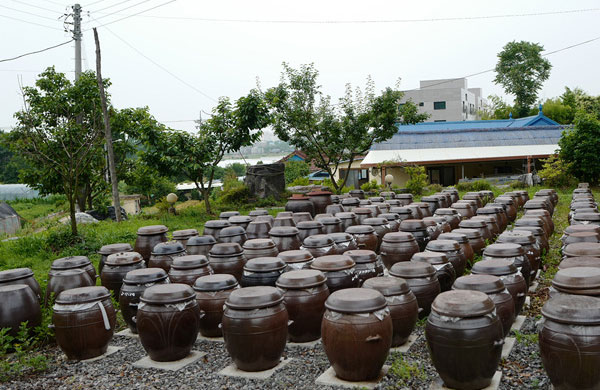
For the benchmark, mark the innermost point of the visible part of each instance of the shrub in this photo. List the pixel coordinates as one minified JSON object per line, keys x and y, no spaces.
{"x":478,"y":185}
{"x":556,"y":172}
{"x":433,"y":188}
{"x":299,"y":181}
{"x":234,"y":196}
{"x":417,"y":179}
{"x":370,"y":186}
{"x":295,"y":170}
{"x":517,"y":185}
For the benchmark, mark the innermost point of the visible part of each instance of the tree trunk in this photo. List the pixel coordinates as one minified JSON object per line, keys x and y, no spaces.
{"x":72,"y":215}
{"x":206,"y":195}
{"x":107,"y":133}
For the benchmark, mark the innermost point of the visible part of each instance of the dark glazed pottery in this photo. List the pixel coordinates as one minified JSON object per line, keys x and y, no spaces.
{"x":463,"y":242}
{"x":478,"y":225}
{"x":578,"y":281}
{"x":422,"y":280}
{"x":284,"y":221}
{"x":240,"y":220}
{"x":406,"y":199}
{"x":302,"y":216}
{"x":381,"y":227}
{"x":184,"y":235}
{"x":116,"y":267}
{"x":450,"y":215}
{"x":397,"y":247}
{"x":164,"y":253}
{"x":134,"y":285}
{"x":464,"y":210}
{"x":339,"y":270}
{"x":463,"y":327}
{"x":200,"y":245}
{"x":214,"y":227}
{"x":168,"y":320}
{"x":452,"y":251}
{"x":475,"y":239}
{"x":186,"y":269}
{"x":225,"y":215}
{"x":418,"y":229}
{"x":147,"y":238}
{"x":331,"y":225}
{"x":285,"y":238}
{"x":511,"y":252}
{"x":296,"y":259}
{"x":211,"y":293}
{"x":259,"y":247}
{"x":367,"y":264}
{"x":75,"y":262}
{"x":344,"y":242}
{"x":348,"y":219}
{"x":357,"y":345}
{"x":365,"y":236}
{"x":262,"y":271}
{"x":443,"y":267}
{"x":21,"y":276}
{"x":61,"y":280}
{"x":529,"y":244}
{"x":319,"y":245}
{"x":308,"y":228}
{"x":107,"y":250}
{"x":320,"y":199}
{"x":19,"y":304}
{"x":507,"y":272}
{"x":235,"y":234}
{"x":255,"y":323}
{"x":227,"y":259}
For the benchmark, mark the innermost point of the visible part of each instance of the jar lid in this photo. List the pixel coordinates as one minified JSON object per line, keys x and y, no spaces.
{"x":521,"y":237}
{"x":463,"y":304}
{"x":430,"y":257}
{"x":542,"y":212}
{"x":201,"y":240}
{"x":15,"y":274}
{"x":225,"y":249}
{"x":362,"y":256}
{"x":412,"y":225}
{"x":472,"y":234}
{"x":168,"y":248}
{"x":82,"y":295}
{"x":250,"y":298}
{"x":582,"y":249}
{"x":531,"y":221}
{"x":190,"y":262}
{"x":390,"y":216}
{"x":375,"y":221}
{"x":581,"y":204}
{"x":330,"y":220}
{"x":360,"y":229}
{"x":486,"y":210}
{"x":232,"y":231}
{"x":535,"y":204}
{"x":317,"y":241}
{"x":460,"y":205}
{"x":581,"y":261}
{"x":265,"y":218}
{"x":298,"y":197}
{"x":362,"y":211}
{"x":496,"y":267}
{"x":454,"y":236}
{"x":404,"y":196}
{"x":442,"y":246}
{"x":387,"y":286}
{"x":376,"y":199}
{"x":504,"y":200}
{"x":332,"y":263}
{"x":299,"y":279}
{"x":318,"y":192}
{"x":398,"y":237}
{"x":536,"y":230}
{"x":264,"y":264}
{"x":228,"y":214}
{"x":240,"y":219}
{"x":295,"y":256}
{"x":474,"y":196}
{"x":216,"y":282}
{"x":595,"y":217}
{"x":504,"y":250}
{"x":573,"y":309}
{"x":578,"y":280}
{"x":472,"y":224}
{"x":446,"y":211}
{"x":152,"y":229}
{"x":70,"y":262}
{"x":145,"y":275}
{"x":305,"y":225}
{"x":258,"y":212}
{"x":582,"y":228}
{"x":283,"y":231}
{"x":430,"y":198}
{"x":350,"y":201}
{"x":216,"y":224}
{"x":488,"y":284}
{"x":345,"y":215}
{"x":258,"y":243}
{"x":168,"y":293}
{"x":340,"y":237}
{"x":185,"y":233}
{"x":401,"y":210}
{"x":124,"y":258}
{"x":364,"y":202}
{"x":412,"y":269}
{"x":356,"y":300}
{"x":115,"y":248}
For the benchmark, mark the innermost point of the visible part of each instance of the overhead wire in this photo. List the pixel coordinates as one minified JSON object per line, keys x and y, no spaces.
{"x":29,"y":22}
{"x":129,"y":16}
{"x":28,"y":13}
{"x":110,"y":6}
{"x":128,"y":7}
{"x":37,"y":51}
{"x":36,"y":6}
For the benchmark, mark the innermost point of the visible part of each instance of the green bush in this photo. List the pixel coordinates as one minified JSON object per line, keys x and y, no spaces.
{"x":370,"y":186}
{"x":433,"y":188}
{"x":417,"y":179}
{"x":299,"y":181}
{"x":478,"y":185}
{"x":517,"y":185}
{"x":556,"y":172}
{"x":295,"y":170}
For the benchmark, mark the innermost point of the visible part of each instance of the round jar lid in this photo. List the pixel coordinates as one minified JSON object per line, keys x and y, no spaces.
{"x":472,"y":234}
{"x":412,"y":225}
{"x":356,"y":300}
{"x":305,"y":225}
{"x":404,"y":196}
{"x":395,"y":237}
{"x":185,"y":233}
{"x":537,"y":212}
{"x":330,"y":220}
{"x":472,"y":224}
{"x":454,"y":236}
{"x":232,"y":231}
{"x":442,"y":246}
{"x":190,"y":262}
{"x":516,"y":237}
{"x":332,"y":263}
{"x":362,"y":211}
{"x":258,"y":212}
{"x":573,"y":309}
{"x":350,"y":201}
{"x":496,"y":267}
{"x":387,"y":286}
{"x":258,"y":243}
{"x":123,"y":258}
{"x":216,"y":282}
{"x":504,"y":250}
{"x":582,"y":249}
{"x":401,"y":210}
{"x":446,"y":211}
{"x":463,"y":304}
{"x":201,"y":240}
{"x":168,"y":293}
{"x":82,"y":295}
{"x":15,"y":274}
{"x":283,"y":231}
{"x":145,"y":275}
{"x":319,"y":193}
{"x":377,"y":199}
{"x":225,"y":249}
{"x":345,"y":215}
{"x":578,"y":280}
{"x":216,"y":224}
{"x":375,"y":221}
{"x":299,"y":279}
{"x":115,"y":248}
{"x":362,"y":256}
{"x":582,"y":261}
{"x":430,"y":257}
{"x":152,"y":229}
{"x":317,"y":241}
{"x":504,"y":200}
{"x":582,"y":228}
{"x":594,"y":217}
{"x":531,"y":221}
{"x":228,"y":214}
{"x":264,"y":264}
{"x":360,"y":229}
{"x":536,"y":230}
{"x":240,"y":219}
{"x":488,"y":284}
{"x":534,"y":204}
{"x":340,"y":237}
{"x":412,"y":269}
{"x":70,"y":262}
{"x":458,"y":205}
{"x":258,"y":297}
{"x":168,"y":248}
{"x":295,"y":256}
{"x":298,"y":197}
{"x":389,"y":216}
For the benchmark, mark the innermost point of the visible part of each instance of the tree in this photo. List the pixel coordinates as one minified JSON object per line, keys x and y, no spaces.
{"x":579,"y":147}
{"x":59,"y":134}
{"x":332,"y":136}
{"x":521,"y":70}
{"x":294,"y":170}
{"x":238,"y":168}
{"x":558,"y":111}
{"x":556,"y":173}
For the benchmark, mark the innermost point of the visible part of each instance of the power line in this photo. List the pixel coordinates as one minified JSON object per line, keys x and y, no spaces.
{"x":35,"y":6}
{"x":27,"y":21}
{"x":110,"y":6}
{"x":35,"y":52}
{"x":129,"y":16}
{"x":95,"y":2}
{"x":29,"y":13}
{"x":128,"y":7}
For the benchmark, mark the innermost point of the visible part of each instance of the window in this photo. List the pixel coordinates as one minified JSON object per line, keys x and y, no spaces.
{"x":421,"y":104}
{"x":363,"y":174}
{"x":439,"y":105}
{"x":440,"y":120}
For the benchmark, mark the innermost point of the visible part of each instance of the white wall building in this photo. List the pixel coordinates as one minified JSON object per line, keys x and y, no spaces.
{"x":447,"y":100}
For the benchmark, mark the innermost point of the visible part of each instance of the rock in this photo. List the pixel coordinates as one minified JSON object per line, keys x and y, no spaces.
{"x":304,"y":189}
{"x":266,"y":180}
{"x":80,"y":218}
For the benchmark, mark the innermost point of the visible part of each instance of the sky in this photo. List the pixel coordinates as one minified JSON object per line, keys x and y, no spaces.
{"x":226,"y":58}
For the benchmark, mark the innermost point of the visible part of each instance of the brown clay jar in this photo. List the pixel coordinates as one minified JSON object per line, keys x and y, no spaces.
{"x":200,"y":245}
{"x":582,"y":261}
{"x":545,"y":215}
{"x":344,"y":242}
{"x":415,"y":210}
{"x":147,"y":238}
{"x":214,"y":227}
{"x":357,"y":333}
{"x":529,"y":245}
{"x":393,"y":221}
{"x":84,"y":320}
{"x":403,"y":213}
{"x":433,"y":203}
{"x":532,"y":221}
{"x":398,"y":247}
{"x":453,"y":252}
{"x":381,"y":227}
{"x":300,"y":203}
{"x":348,"y":219}
{"x":406,"y":199}
{"x":285,"y":238}
{"x":425,"y":212}
{"x":255,"y":327}
{"x":21,"y":276}
{"x":227,"y":258}
{"x":320,"y":199}
{"x":168,"y":320}
{"x":539,"y":235}
{"x":331,"y":225}
{"x":211,"y":293}
{"x":259,"y":247}
{"x":19,"y":304}
{"x":511,"y":252}
{"x":463,"y":242}
{"x":586,"y":218}
{"x":186,"y":269}
{"x":365,"y":236}
{"x":235,"y":234}
{"x":333,"y":209}
{"x":363,"y":213}
{"x":422,"y":280}
{"x":490,"y":222}
{"x":507,"y":272}
{"x":240,"y":220}
{"x":319,"y":245}
{"x":301,"y":217}
{"x":116,"y":267}
{"x":453,"y":193}
{"x":106,"y":250}
{"x":184,"y":235}
{"x":474,"y":197}
{"x":368,"y":265}
{"x":134,"y":285}
{"x":580,"y":229}
{"x":304,"y":296}
{"x":308,"y":228}
{"x":440,"y":223}
{"x":511,"y":207}
{"x":284,"y":221}
{"x":75,"y":262}
{"x":443,"y":267}
{"x":464,"y":210}
{"x":419,"y":231}
{"x":450,"y":215}
{"x":401,"y":303}
{"x":296,"y":259}
{"x":60,"y":280}
{"x":499,"y":217}
{"x":262,"y":271}
{"x":577,"y":281}
{"x":479,"y":225}
{"x":579,"y":249}
{"x":463,"y":327}
{"x":475,"y":240}
{"x":164,"y":253}
{"x":350,"y":204}
{"x":494,"y":287}
{"x":225,"y":215}
{"x":339,"y":269}
{"x":265,"y":218}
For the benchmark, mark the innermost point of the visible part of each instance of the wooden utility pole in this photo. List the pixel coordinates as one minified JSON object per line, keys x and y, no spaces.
{"x":109,"y":143}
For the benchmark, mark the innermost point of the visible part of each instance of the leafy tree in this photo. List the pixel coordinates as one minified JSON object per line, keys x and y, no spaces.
{"x":59,"y":134}
{"x":417,"y":179}
{"x":556,"y":172}
{"x":333,"y":137}
{"x":147,"y":181}
{"x":295,"y":170}
{"x":579,"y":147}
{"x":521,"y":70}
{"x":238,"y":168}
{"x":10,"y":163}
{"x":556,"y":110}
{"x":498,"y":109}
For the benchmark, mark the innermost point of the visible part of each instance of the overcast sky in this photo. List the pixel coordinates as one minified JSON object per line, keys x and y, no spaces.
{"x":225,"y":58}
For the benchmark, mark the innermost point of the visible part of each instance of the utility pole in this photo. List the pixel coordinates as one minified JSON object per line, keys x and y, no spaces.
{"x":77,"y":38}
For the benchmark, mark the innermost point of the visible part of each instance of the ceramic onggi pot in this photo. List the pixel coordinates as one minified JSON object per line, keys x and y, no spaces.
{"x":262,"y":271}
{"x":109,"y":249}
{"x":186,"y":269}
{"x":365,"y":236}
{"x":235,"y":234}
{"x":285,"y":238}
{"x":211,"y":293}
{"x":397,"y":247}
{"x":227,"y":258}
{"x":422,"y":280}
{"x":453,"y":252}
{"x":443,"y":267}
{"x":21,"y":276}
{"x":19,"y":304}
{"x":163,"y":254}
{"x":507,"y":272}
{"x":300,"y":203}
{"x":240,"y":220}
{"x":367,"y":264}
{"x":200,"y":245}
{"x":511,"y":252}
{"x":60,"y":280}
{"x":225,"y":215}
{"x":214,"y":227}
{"x":116,"y":267}
{"x":308,"y":228}
{"x":259,"y":247}
{"x":134,"y":285}
{"x":184,"y":235}
{"x":339,"y":269}
{"x":418,"y":229}
{"x":75,"y":262}
{"x":463,"y":242}
{"x":344,"y":242}
{"x":147,"y":238}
